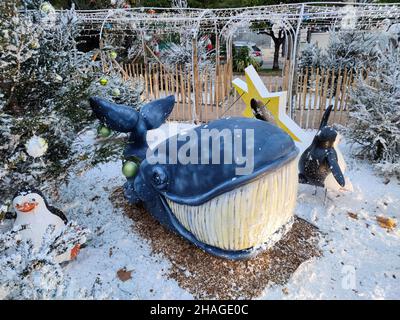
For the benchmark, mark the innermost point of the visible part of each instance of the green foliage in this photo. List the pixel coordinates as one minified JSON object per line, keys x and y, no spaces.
{"x":83,"y":4}
{"x":155,"y":3}
{"x":242,"y":59}
{"x":102,"y":4}
{"x":234,"y":3}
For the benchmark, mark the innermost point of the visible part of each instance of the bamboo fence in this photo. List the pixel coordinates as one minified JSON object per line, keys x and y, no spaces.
{"x":210,"y":94}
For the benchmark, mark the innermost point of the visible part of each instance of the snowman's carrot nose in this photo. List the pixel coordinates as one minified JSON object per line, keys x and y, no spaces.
{"x":26,"y":206}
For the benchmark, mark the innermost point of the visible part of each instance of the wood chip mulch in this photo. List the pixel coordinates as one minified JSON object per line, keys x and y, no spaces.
{"x":208,"y":277}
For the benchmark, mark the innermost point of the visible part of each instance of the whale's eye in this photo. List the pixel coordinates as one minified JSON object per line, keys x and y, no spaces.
{"x":159,"y":178}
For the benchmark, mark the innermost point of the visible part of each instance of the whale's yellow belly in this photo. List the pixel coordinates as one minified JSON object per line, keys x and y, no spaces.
{"x":246,"y":217}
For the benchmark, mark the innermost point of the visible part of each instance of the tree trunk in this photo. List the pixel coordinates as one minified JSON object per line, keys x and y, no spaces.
{"x":278,"y":41}
{"x":278,"y":44}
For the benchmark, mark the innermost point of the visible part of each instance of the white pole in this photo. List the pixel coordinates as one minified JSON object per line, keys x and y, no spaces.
{"x":293,"y":62}
{"x":194,"y":56}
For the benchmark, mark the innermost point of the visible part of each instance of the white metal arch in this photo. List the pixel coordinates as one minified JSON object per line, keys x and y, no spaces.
{"x":223,"y":22}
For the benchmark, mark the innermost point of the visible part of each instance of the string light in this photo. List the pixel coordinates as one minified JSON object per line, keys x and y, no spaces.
{"x":167,"y":20}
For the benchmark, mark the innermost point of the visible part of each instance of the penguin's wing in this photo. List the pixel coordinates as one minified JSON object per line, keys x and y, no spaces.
{"x":58,"y":213}
{"x":156,"y":112}
{"x":335,"y":168}
{"x":10,"y":215}
{"x":325,"y":117}
{"x":117,"y":117}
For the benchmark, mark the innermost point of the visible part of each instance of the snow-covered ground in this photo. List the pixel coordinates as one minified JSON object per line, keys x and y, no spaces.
{"x":361,"y":260}
{"x":114,"y":245}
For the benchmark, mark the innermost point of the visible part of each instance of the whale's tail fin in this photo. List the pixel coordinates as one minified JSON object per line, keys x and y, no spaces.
{"x":156,"y":112}
{"x":325,"y":117}
{"x":117,"y":117}
{"x":122,"y":118}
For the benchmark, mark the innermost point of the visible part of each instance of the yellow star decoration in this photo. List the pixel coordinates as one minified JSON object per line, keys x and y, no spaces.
{"x":275,"y":102}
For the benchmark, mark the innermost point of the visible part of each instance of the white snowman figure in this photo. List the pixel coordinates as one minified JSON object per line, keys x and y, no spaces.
{"x":33,"y":211}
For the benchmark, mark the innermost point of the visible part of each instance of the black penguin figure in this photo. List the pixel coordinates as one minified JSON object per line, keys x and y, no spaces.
{"x":320,"y":159}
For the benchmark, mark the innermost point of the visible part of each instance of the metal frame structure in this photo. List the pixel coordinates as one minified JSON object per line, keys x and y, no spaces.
{"x":224,"y":22}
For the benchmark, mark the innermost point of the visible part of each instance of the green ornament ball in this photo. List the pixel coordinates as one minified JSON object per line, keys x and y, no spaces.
{"x":103,"y":131}
{"x":129,"y":169}
{"x":34,"y":45}
{"x":46,"y":7}
{"x":116,"y":92}
{"x":113,"y":55}
{"x":103,"y":81}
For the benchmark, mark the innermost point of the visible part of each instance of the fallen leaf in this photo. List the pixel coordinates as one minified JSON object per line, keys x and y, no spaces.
{"x":387,"y":223}
{"x":124,"y":275}
{"x":285,"y":291}
{"x":352,"y":215}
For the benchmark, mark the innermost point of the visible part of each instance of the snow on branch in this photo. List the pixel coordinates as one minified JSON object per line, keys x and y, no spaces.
{"x":34,"y":273}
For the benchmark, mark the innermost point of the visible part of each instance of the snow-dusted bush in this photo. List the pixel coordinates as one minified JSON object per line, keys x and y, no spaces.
{"x":311,"y":56}
{"x":375,"y":112}
{"x":27,"y":272}
{"x":180,"y":54}
{"x":351,"y":49}
{"x":45,"y":83}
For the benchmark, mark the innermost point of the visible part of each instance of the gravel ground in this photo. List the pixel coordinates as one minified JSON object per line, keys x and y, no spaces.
{"x":209,"y":277}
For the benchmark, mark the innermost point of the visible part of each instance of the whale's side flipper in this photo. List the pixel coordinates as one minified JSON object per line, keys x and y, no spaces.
{"x":156,"y":112}
{"x":334,"y":166}
{"x":325,"y":117}
{"x":117,"y":117}
{"x":129,"y":192}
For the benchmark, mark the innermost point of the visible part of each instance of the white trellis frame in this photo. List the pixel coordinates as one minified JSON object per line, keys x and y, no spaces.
{"x":224,"y":22}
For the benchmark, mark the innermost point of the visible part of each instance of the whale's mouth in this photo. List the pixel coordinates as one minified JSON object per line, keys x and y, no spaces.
{"x":245,"y":217}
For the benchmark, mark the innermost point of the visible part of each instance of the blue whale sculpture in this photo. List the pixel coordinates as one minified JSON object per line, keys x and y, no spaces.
{"x":208,"y":203}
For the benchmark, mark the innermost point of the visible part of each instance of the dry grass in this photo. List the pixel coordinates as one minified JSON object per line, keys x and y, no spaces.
{"x":208,"y":277}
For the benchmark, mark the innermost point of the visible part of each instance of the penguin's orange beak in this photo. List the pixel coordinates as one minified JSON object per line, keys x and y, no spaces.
{"x":26,"y":206}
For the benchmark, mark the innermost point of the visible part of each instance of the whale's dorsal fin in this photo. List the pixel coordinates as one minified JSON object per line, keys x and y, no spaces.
{"x":156,"y":112}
